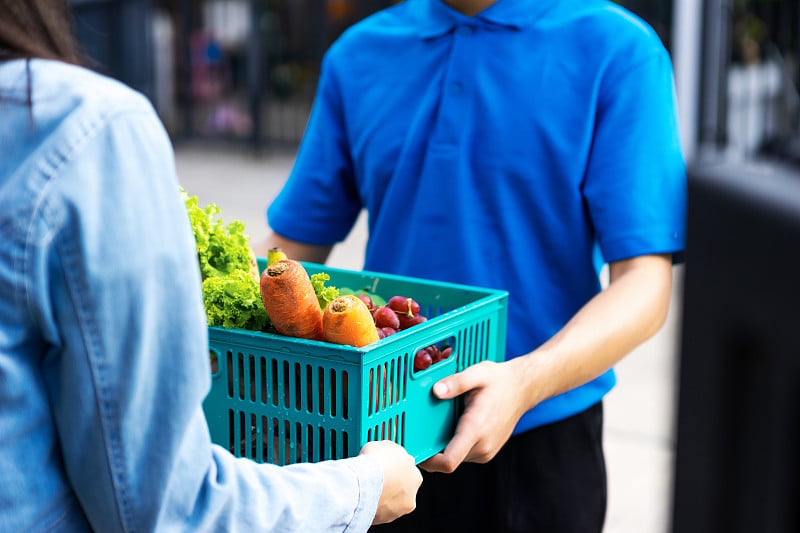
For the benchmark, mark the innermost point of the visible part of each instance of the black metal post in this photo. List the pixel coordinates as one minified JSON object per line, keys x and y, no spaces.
{"x":117,"y":37}
{"x":254,"y":70}
{"x":716,"y":57}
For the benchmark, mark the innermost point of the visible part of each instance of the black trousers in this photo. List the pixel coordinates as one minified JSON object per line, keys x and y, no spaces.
{"x":551,"y":479}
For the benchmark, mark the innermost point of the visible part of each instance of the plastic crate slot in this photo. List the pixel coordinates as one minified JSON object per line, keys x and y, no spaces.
{"x":272,"y":444}
{"x":321,"y":388}
{"x":477,"y":348}
{"x":254,"y":437}
{"x":311,"y":453}
{"x":402,"y":431}
{"x":391,"y":383}
{"x":334,"y":392}
{"x":296,"y":387}
{"x":307,"y":376}
{"x":382,"y":387}
{"x":250,"y":374}
{"x":272,"y":384}
{"x":296,"y":444}
{"x":231,"y":447}
{"x":241,"y":435}
{"x":214,"y":362}
{"x":404,"y":373}
{"x":471,"y":334}
{"x":265,"y":385}
{"x":323,"y":454}
{"x":266,"y":440}
{"x":484,"y":345}
{"x":345,"y":396}
{"x":283,"y":384}
{"x":229,"y":367}
{"x":240,"y":375}
{"x":336,"y":445}
{"x":369,"y":394}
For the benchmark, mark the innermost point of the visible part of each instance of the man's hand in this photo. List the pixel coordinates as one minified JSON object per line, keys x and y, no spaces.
{"x":491,"y":410}
{"x":401,"y":480}
{"x":496,"y":395}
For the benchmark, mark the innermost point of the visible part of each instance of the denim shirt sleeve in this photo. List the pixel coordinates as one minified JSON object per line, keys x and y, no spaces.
{"x":113,"y":283}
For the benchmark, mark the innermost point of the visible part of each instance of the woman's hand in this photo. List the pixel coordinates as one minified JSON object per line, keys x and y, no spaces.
{"x":401,"y":480}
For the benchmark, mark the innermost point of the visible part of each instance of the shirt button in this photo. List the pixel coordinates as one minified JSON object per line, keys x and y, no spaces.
{"x":465,"y":30}
{"x":456,"y":89}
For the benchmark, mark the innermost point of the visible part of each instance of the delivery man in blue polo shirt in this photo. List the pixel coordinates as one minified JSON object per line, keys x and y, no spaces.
{"x":506,"y":144}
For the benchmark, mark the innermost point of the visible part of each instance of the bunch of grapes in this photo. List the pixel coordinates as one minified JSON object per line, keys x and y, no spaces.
{"x":400,"y":313}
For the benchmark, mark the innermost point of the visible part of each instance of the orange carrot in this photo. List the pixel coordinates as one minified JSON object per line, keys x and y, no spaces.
{"x":347,"y":320}
{"x":290,"y":301}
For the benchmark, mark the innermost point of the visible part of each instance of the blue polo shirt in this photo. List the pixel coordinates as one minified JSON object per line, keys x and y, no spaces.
{"x":498,"y":150}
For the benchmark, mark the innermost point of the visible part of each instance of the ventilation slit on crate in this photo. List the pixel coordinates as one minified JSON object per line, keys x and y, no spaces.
{"x":334,"y":392}
{"x":242,"y":435}
{"x":322,"y":453}
{"x":308,"y":380}
{"x":321,"y":402}
{"x":274,"y":382}
{"x":229,"y":367}
{"x":266,"y":439}
{"x":311,"y":452}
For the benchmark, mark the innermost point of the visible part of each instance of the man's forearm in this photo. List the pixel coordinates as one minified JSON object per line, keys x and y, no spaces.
{"x":628,"y":312}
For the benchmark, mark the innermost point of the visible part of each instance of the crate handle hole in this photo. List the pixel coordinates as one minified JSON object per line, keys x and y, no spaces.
{"x":427,"y":357}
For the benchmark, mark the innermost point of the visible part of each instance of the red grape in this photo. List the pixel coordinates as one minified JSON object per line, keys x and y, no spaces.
{"x":436,"y":355}
{"x":386,"y":318}
{"x":367,"y":299}
{"x":422,"y":360}
{"x":403,"y":305}
{"x":408,"y":321}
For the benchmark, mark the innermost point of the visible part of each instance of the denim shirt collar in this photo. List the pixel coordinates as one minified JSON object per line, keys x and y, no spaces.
{"x":436,"y":18}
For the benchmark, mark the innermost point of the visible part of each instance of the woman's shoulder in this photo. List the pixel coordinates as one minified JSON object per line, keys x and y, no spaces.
{"x":55,"y":82}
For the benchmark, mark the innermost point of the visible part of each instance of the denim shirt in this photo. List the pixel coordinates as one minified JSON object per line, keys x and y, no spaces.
{"x":103,"y":342}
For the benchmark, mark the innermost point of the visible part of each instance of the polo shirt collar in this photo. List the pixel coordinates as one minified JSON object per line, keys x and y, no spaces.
{"x":436,"y":18}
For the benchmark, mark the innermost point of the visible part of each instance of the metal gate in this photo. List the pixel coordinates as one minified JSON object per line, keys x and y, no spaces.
{"x":247,"y":69}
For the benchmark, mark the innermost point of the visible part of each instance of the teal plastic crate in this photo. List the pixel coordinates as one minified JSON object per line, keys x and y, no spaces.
{"x":284,"y":400}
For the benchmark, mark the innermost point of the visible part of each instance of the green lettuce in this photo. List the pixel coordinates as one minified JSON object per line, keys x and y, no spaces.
{"x":221,"y":248}
{"x":325,"y":294}
{"x":234,"y":301}
{"x":231,"y":292}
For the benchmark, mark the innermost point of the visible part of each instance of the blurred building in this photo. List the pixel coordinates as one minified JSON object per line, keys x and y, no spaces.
{"x":245,"y":70}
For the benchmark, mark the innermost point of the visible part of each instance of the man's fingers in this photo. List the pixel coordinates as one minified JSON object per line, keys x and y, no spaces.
{"x":452,"y":456}
{"x":464,"y":381}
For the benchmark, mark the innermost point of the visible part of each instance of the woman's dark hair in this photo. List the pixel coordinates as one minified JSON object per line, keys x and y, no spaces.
{"x":37,"y":29}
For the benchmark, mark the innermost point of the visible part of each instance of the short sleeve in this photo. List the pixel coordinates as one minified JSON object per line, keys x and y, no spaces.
{"x":635,"y":186}
{"x":319,"y":203}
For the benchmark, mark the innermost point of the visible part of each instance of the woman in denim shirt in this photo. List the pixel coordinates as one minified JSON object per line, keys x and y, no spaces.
{"x":103,"y":341}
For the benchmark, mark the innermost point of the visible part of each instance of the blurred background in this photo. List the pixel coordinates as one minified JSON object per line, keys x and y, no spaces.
{"x":234,"y":80}
{"x":244,"y":71}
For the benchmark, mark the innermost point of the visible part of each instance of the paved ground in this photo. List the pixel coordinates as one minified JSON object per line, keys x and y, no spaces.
{"x":639,"y":436}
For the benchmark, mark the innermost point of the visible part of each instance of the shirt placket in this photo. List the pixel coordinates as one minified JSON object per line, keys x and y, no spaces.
{"x":457,"y":87}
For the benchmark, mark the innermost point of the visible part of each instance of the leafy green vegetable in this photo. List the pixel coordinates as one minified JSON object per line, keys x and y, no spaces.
{"x":324,"y":294}
{"x":221,"y":248}
{"x":234,"y":301}
{"x":231,"y":292}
